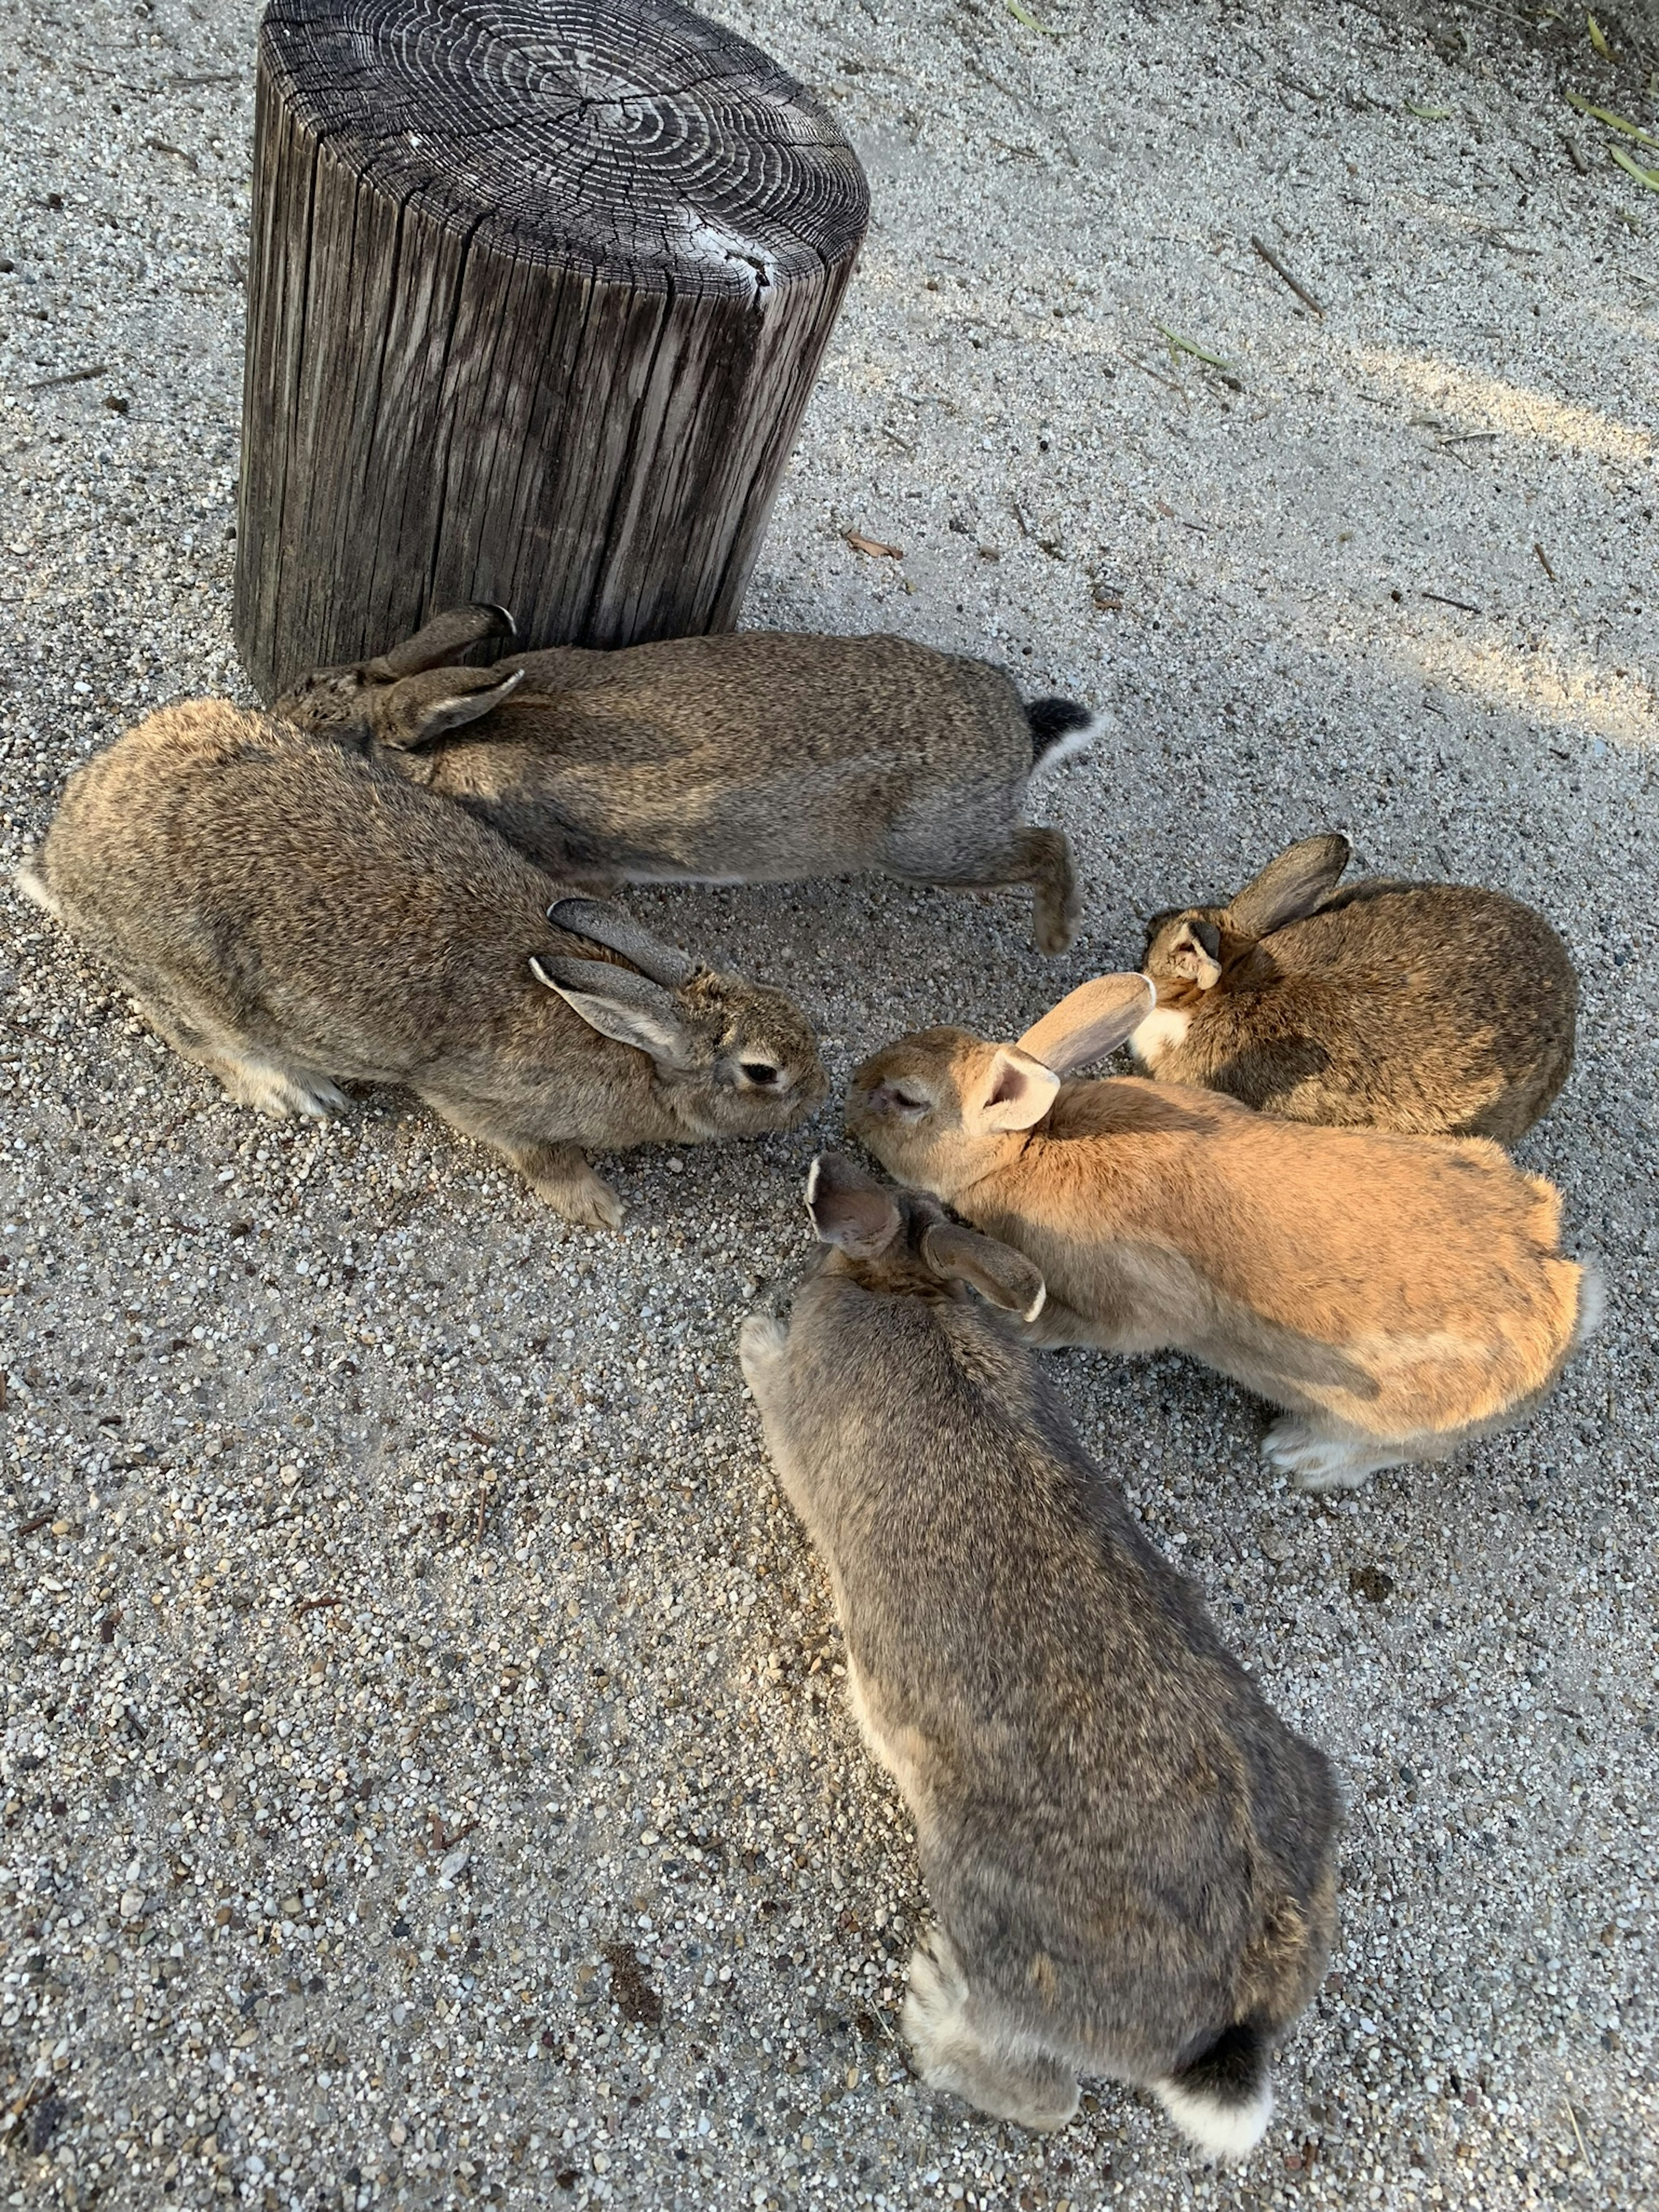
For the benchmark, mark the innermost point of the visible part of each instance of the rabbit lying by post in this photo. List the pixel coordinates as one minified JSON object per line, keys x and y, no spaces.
{"x":1397,"y":1295}
{"x":292,"y":916}
{"x":1131,"y":1856}
{"x":1432,"y":1007}
{"x":761,"y":757}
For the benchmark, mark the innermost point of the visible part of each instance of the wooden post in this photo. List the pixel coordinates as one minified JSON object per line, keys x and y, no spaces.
{"x":538,"y":291}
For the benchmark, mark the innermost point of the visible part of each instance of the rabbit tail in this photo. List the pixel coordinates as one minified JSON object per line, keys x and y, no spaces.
{"x":1223,"y":2098}
{"x":1592,"y":1303}
{"x":1061,"y":729}
{"x":32,"y":884}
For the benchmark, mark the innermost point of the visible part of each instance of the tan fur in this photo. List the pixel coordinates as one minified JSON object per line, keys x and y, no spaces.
{"x":1425,"y":1007}
{"x":1400,"y":1295}
{"x":761,"y":757}
{"x":292,"y":916}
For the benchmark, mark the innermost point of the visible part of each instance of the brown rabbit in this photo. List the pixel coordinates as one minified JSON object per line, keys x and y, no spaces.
{"x":761,"y":757}
{"x":293,"y":916}
{"x":1431,"y":1007}
{"x":1130,"y":1855}
{"x":1398,"y":1295}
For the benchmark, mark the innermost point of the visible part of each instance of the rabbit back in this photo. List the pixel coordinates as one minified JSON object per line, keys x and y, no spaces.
{"x":1126,"y":1847}
{"x":757,"y":756}
{"x":1435,"y":1008}
{"x":1405,"y":1286}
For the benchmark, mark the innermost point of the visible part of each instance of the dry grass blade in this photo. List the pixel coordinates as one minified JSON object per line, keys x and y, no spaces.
{"x":1633,"y":167}
{"x":1178,"y":345}
{"x":1619,"y":123}
{"x":1428,"y":114}
{"x":1024,"y":15}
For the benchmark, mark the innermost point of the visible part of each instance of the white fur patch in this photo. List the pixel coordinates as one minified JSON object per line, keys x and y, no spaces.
{"x":1228,"y":2131}
{"x":1037,"y":1305}
{"x":1592,"y":1302}
{"x":1161,"y":1032}
{"x":1075,"y":741}
{"x":33,"y":886}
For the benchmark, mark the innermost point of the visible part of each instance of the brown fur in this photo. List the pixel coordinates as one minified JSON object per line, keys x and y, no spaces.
{"x":1129,"y":1854}
{"x":1398,"y":1295}
{"x":292,"y":916}
{"x":761,"y":757}
{"x":1424,"y":1007}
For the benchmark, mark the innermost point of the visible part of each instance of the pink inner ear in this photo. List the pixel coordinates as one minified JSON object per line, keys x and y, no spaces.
{"x":1021,"y":1091}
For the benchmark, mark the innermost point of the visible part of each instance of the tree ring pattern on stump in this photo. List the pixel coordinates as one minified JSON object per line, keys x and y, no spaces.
{"x":626,"y":139}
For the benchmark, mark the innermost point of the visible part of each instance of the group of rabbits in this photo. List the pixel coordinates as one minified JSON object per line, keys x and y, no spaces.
{"x":399,"y":875}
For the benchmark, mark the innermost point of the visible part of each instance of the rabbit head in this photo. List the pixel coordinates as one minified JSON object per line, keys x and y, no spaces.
{"x":895,"y":1242}
{"x":742,"y":1056}
{"x":1190,"y":949}
{"x":412,"y":695}
{"x":942,"y":1107}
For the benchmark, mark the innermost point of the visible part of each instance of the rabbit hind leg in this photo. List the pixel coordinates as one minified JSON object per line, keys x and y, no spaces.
{"x":1037,"y":856}
{"x":1028,"y":2086}
{"x":1319,"y":1460}
{"x":267,"y":1081}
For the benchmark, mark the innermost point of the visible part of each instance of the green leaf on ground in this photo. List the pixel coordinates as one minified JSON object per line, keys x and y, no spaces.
{"x":1428,"y":114}
{"x":1648,"y":177}
{"x":1024,"y":15}
{"x":1613,"y":122}
{"x":1598,"y":38}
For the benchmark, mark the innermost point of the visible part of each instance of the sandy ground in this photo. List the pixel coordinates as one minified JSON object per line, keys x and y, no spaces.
{"x":425,"y":1772}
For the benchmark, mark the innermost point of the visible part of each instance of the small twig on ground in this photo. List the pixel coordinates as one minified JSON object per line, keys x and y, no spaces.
{"x":1583,"y":2151}
{"x":1576,"y":157}
{"x":1544,"y":562}
{"x":1280,"y":270}
{"x":311,"y":1604}
{"x":73,"y":376}
{"x":1468,"y":438}
{"x":1441,"y":599}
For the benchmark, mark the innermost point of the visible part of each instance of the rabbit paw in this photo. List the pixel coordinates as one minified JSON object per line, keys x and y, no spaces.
{"x":760,"y":1341}
{"x":1315,"y":1462}
{"x":270,"y":1088}
{"x":584,"y":1199}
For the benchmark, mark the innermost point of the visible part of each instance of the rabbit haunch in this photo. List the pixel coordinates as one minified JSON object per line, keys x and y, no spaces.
{"x":1131,"y":1857}
{"x":760,"y":757}
{"x":291,"y":915}
{"x":1425,"y":1007}
{"x":1397,"y":1295}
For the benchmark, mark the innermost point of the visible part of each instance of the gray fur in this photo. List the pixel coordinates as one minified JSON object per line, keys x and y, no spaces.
{"x":1128,"y":1853}
{"x":293,"y":916}
{"x":761,"y":757}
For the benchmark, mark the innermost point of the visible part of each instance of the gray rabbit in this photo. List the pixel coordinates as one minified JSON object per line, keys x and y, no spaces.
{"x":292,"y":916}
{"x":1131,"y":1857}
{"x":761,"y":757}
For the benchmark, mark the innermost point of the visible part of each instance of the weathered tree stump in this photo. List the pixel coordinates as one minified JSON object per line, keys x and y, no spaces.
{"x":538,"y":291}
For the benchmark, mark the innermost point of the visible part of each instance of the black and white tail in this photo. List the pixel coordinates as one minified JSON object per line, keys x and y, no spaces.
{"x":1061,"y":729}
{"x":1223,"y":2098}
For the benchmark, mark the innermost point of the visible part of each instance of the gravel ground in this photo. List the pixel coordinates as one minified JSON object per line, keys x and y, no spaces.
{"x":426,"y":1776}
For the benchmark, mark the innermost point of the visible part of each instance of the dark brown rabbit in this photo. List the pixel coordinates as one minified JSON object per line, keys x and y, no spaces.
{"x":292,"y":916}
{"x":1434,"y":1008}
{"x":1131,"y":1857}
{"x":761,"y":757}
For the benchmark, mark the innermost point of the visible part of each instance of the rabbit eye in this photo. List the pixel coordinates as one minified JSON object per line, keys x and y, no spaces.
{"x":758,"y":1071}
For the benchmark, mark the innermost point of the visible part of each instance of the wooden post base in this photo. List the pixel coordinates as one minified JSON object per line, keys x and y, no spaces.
{"x":539,"y":290}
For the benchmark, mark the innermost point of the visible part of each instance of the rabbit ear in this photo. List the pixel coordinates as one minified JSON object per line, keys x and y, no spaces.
{"x":618,"y":932}
{"x":1019,"y":1092}
{"x":1002,"y":1276}
{"x":1301,"y":878}
{"x":441,"y":640}
{"x":850,"y":1209}
{"x":418,"y":709}
{"x":628,"y":1008}
{"x":1194,"y":951}
{"x":1089,"y":1021}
